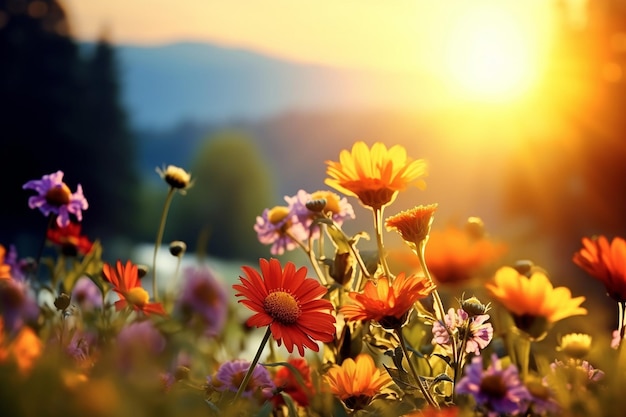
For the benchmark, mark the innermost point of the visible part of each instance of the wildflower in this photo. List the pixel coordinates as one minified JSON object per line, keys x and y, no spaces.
{"x":574,"y":374}
{"x":455,"y":256}
{"x":55,"y":197}
{"x":230,"y":375}
{"x":69,"y":239}
{"x":534,"y":303}
{"x":575,"y":345}
{"x":356,"y":381}
{"x":413,"y":225}
{"x":386,"y":303}
{"x":5,"y":269}
{"x":18,"y":304}
{"x":125,"y":281}
{"x":87,"y":294}
{"x":280,"y":228}
{"x":375,"y":175}
{"x":300,"y":388}
{"x":499,"y":391}
{"x":336,"y":208}
{"x":19,"y":268}
{"x":176,"y":177}
{"x":203,"y":301}
{"x":606,"y":263}
{"x":542,"y":397}
{"x":139,"y":343}
{"x":479,"y":333}
{"x":24,"y":347}
{"x":289,"y":302}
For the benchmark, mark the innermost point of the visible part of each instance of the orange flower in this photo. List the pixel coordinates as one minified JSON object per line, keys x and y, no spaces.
{"x":453,"y":255}
{"x":24,"y":348}
{"x":289,"y":302}
{"x":125,"y":281}
{"x":386,"y":303}
{"x":534,"y":303}
{"x":356,"y":382}
{"x":376,"y":175}
{"x":5,"y":269}
{"x":413,"y":225}
{"x":606,"y":263}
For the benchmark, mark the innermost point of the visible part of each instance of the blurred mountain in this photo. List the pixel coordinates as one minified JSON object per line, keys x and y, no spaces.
{"x":199,"y":82}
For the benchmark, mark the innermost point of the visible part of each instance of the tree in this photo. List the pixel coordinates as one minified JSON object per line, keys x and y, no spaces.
{"x":231,"y":187}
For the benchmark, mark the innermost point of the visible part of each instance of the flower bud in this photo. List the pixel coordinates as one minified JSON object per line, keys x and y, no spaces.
{"x":178,"y":248}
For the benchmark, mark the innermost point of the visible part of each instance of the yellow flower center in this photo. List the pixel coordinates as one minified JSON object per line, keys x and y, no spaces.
{"x":58,"y":195}
{"x":137,"y":296}
{"x":282,"y":307}
{"x":277,"y":214}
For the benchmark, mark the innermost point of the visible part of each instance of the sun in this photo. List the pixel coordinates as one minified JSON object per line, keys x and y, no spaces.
{"x":491,"y":54}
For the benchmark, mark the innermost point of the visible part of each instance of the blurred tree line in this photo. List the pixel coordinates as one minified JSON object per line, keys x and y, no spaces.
{"x":60,"y":109}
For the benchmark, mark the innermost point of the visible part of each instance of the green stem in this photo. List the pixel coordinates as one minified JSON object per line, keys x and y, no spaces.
{"x":159,"y":239}
{"x":429,"y":398}
{"x":312,"y":259}
{"x":522,"y":354}
{"x":378,"y":229}
{"x":440,"y":311}
{"x":248,"y":375}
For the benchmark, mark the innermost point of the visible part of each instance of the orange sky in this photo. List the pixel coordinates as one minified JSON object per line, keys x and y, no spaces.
{"x":398,"y":35}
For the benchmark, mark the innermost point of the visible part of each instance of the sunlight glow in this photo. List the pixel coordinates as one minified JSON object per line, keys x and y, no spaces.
{"x":491,"y":54}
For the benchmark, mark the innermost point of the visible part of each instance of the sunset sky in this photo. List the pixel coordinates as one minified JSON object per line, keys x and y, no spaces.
{"x":398,"y":35}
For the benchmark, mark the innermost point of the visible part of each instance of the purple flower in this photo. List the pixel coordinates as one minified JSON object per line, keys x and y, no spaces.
{"x":480,"y":333}
{"x":279,"y":227}
{"x":336,"y":207}
{"x":87,"y":294}
{"x":137,"y":342}
{"x":543,"y":399}
{"x":17,"y":304}
{"x":576,"y":372}
{"x":230,"y":375}
{"x":54,"y":196}
{"x":497,"y":390}
{"x":203,"y":301}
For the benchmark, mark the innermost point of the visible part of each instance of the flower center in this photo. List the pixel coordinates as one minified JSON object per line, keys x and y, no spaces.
{"x":282,"y":307}
{"x":493,"y":386}
{"x":59,"y":195}
{"x":277,"y":214}
{"x":332,"y":201}
{"x":137,"y":296}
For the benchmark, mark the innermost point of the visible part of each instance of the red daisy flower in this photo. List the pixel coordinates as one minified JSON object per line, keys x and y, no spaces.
{"x":70,"y":240}
{"x":125,"y":281}
{"x":289,"y":302}
{"x":300,"y":389}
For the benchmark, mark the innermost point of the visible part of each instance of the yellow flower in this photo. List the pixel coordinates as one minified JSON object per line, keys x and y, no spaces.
{"x":575,"y":345}
{"x":376,"y":175}
{"x":24,"y":348}
{"x":356,"y":382}
{"x":534,"y":303}
{"x":413,"y":225}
